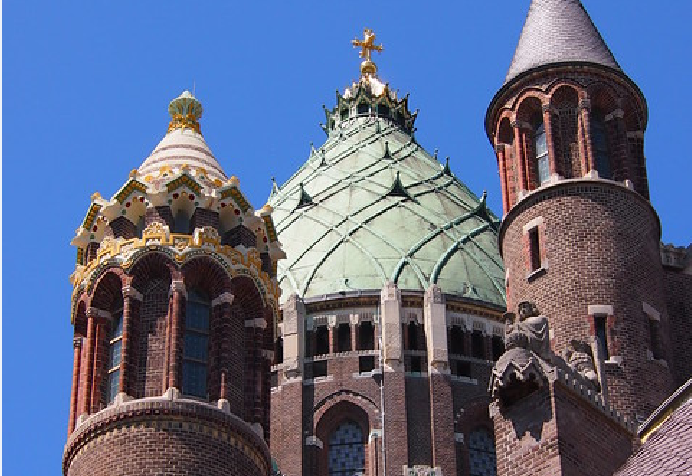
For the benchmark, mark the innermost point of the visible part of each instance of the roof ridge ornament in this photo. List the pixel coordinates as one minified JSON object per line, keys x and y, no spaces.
{"x":367,"y":46}
{"x":185,"y":111}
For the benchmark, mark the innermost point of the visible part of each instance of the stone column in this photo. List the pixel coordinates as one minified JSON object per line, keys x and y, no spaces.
{"x":441,"y":400}
{"x":178,"y":296}
{"x":394,"y":392}
{"x":223,"y":348}
{"x":547,"y":114}
{"x":130,"y":295}
{"x":77,"y":343}
{"x":502,"y":163}
{"x":294,"y":333}
{"x":520,"y":158}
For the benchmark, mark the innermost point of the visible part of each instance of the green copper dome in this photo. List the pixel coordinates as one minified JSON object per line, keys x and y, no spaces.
{"x":372,"y":206}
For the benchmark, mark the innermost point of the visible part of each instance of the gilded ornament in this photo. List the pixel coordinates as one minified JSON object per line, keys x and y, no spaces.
{"x":367,"y":46}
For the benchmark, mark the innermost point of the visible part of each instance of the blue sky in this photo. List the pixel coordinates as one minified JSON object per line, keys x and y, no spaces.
{"x":85,"y":93}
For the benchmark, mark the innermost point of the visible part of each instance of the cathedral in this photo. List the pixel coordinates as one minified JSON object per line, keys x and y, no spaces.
{"x":375,"y":317}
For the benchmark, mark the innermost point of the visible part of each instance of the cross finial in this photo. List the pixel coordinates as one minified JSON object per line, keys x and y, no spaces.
{"x":367,"y":46}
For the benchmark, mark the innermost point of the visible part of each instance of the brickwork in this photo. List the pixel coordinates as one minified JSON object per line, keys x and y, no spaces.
{"x":123,"y":228}
{"x":165,"y":438}
{"x":678,"y":288}
{"x":203,"y":217}
{"x":240,"y":235}
{"x":600,"y":245}
{"x":554,"y":431}
{"x":159,"y":214}
{"x":151,"y":339}
{"x":417,"y":406}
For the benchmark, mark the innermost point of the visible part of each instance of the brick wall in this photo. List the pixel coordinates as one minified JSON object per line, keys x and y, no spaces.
{"x":600,"y":247}
{"x":678,"y":289}
{"x":165,"y":438}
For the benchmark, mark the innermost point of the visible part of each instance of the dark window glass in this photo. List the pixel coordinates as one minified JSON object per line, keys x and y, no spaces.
{"x":363,"y":108}
{"x":344,"y":338}
{"x":366,"y":363}
{"x":482,"y":453}
{"x":412,"y":336}
{"x":416,"y":364}
{"x":322,"y":340}
{"x":478,"y":344}
{"x":347,"y":450}
{"x":308,"y":343}
{"x":654,"y":336}
{"x":196,"y":344}
{"x":456,"y":340}
{"x":382,"y":110}
{"x":461,"y":368}
{"x":181,"y":223}
{"x":599,"y":142}
{"x":541,"y":148}
{"x":319,"y":368}
{"x":498,"y":347}
{"x":366,"y":336}
{"x":115,"y":352}
{"x":344,"y":114}
{"x":534,"y":249}
{"x":602,"y":337}
{"x":279,"y":350}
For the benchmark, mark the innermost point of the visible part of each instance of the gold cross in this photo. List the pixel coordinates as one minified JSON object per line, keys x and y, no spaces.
{"x":367,"y":46}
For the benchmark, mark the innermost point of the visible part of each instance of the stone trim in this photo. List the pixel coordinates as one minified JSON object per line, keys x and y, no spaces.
{"x":459,"y":438}
{"x":600,"y":309}
{"x":95,"y":312}
{"x":312,"y":440}
{"x":131,"y":292}
{"x":226,"y":297}
{"x":532,"y":224}
{"x":259,"y":322}
{"x":652,"y":313}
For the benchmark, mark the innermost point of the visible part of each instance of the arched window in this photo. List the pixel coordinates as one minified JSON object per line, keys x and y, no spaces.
{"x":344,"y":114}
{"x":346,"y":450}
{"x":115,"y":338}
{"x":196,"y":344}
{"x":382,"y":110}
{"x":482,"y":453}
{"x":363,"y":108}
{"x":541,"y":149}
{"x":599,"y":142}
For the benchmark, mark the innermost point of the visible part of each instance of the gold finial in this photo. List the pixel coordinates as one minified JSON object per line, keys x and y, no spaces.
{"x":185,"y":111}
{"x":367,"y":46}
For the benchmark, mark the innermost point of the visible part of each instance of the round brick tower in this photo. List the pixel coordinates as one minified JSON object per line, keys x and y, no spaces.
{"x":174,"y":305}
{"x":579,"y":236}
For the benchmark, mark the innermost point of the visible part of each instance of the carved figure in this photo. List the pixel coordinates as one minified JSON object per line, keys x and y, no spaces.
{"x":579,"y":356}
{"x":529,"y":331}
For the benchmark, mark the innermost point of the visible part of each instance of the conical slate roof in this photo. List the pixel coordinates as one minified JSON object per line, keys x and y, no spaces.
{"x":382,"y":209}
{"x":558,"y":31}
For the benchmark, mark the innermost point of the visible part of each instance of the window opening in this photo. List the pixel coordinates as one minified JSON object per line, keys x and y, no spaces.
{"x":366,"y":336}
{"x":654,"y":337}
{"x":344,"y":114}
{"x":115,"y":351}
{"x":366,"y":363}
{"x":322,"y":340}
{"x":478,"y":344}
{"x":346,"y":450}
{"x":344,"y":338}
{"x":412,"y":336}
{"x":196,"y":344}
{"x":599,"y":140}
{"x":181,"y":223}
{"x":534,"y":249}
{"x":279,"y":350}
{"x":498,"y":347}
{"x":382,"y":110}
{"x":363,"y":108}
{"x":456,"y":337}
{"x":601,"y":336}
{"x":482,"y":460}
{"x":541,"y":148}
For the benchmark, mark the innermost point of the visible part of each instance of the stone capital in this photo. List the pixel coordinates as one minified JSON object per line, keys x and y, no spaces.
{"x":96,"y":313}
{"x":77,"y":342}
{"x":131,"y":292}
{"x":226,"y":297}
{"x":179,"y":287}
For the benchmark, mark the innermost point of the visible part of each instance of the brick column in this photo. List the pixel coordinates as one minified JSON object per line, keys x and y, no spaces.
{"x":176,"y":323}
{"x":100,"y":357}
{"x":89,"y":367}
{"x":332,"y":337}
{"x":520,"y":157}
{"x":441,"y":401}
{"x":130,"y":295}
{"x":77,"y":343}
{"x":394,"y":381}
{"x":587,"y":163}
{"x":502,"y":162}
{"x":549,"y":138}
{"x":355,"y":328}
{"x":222,"y":348}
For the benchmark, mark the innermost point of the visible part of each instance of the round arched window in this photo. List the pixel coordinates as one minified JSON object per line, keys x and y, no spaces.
{"x":482,"y":453}
{"x":346,"y":450}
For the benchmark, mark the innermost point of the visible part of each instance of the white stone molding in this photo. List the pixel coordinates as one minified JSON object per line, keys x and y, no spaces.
{"x":131,"y":292}
{"x":653,"y":314}
{"x":225,"y":297}
{"x":600,"y":310}
{"x":257,"y":322}
{"x":312,"y":440}
{"x":532,"y":224}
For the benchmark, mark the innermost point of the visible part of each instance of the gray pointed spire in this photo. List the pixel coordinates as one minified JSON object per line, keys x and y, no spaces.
{"x":558,"y":31}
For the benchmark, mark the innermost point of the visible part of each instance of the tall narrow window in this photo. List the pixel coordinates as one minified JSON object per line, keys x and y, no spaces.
{"x":347,"y":450}
{"x":478,"y":343}
{"x":412,"y":336}
{"x":196,"y":344}
{"x":599,"y":142}
{"x":482,"y":453}
{"x":322,"y":340}
{"x":366,"y":336}
{"x":363,"y":108}
{"x":541,"y":148}
{"x":181,"y":223}
{"x":654,"y":338}
{"x":534,"y":249}
{"x":115,"y":351}
{"x":456,"y":340}
{"x":498,"y":347}
{"x":344,"y":337}
{"x":601,"y":336}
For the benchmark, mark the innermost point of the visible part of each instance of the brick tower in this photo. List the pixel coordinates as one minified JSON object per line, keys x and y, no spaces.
{"x":580,"y":243}
{"x":173,"y":309}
